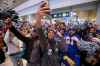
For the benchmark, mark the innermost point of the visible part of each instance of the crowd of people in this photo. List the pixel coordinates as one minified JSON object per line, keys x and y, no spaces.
{"x":45,"y":44}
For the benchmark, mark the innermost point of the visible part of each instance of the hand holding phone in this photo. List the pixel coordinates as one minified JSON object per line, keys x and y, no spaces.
{"x":44,"y":9}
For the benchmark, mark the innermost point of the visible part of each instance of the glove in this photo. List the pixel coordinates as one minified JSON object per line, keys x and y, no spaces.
{"x":69,"y":60}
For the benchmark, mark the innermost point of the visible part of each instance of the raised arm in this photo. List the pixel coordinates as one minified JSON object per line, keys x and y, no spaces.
{"x":42,"y":11}
{"x":18,"y":34}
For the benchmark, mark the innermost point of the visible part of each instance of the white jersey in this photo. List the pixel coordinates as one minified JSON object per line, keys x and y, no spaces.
{"x":15,"y":46}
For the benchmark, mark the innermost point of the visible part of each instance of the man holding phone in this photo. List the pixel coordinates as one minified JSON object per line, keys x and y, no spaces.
{"x":37,"y":44}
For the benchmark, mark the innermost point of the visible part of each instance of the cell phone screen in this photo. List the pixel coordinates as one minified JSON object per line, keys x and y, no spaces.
{"x":1,"y":23}
{"x":48,"y":3}
{"x":49,"y":14}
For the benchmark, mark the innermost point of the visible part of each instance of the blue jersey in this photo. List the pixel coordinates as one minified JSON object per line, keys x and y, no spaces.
{"x":71,"y":50}
{"x":98,"y":31}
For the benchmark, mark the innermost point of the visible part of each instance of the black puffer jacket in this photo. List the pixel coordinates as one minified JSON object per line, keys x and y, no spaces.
{"x":2,"y":53}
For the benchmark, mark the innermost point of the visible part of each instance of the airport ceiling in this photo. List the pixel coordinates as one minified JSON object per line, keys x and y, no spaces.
{"x":10,"y":4}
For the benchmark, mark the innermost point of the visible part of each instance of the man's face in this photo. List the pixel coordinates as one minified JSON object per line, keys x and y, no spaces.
{"x":7,"y":20}
{"x":24,"y":31}
{"x":50,"y":34}
{"x":62,"y":26}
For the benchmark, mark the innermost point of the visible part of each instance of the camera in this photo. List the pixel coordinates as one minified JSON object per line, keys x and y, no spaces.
{"x":1,"y":23}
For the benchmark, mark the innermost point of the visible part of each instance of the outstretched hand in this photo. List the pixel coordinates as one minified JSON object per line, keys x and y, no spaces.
{"x":42,"y":11}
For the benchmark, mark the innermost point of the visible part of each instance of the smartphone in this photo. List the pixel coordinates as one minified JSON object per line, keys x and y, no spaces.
{"x":42,"y":4}
{"x":49,"y":16}
{"x":1,"y":24}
